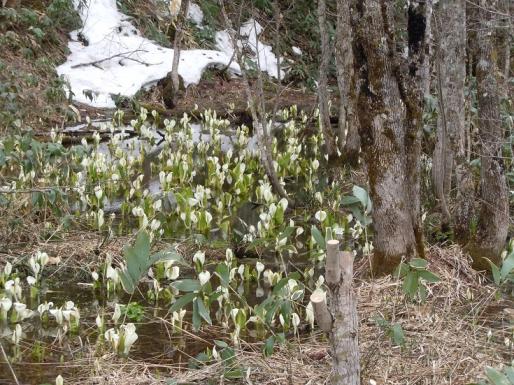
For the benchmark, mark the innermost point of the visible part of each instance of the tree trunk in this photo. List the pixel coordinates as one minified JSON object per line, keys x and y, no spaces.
{"x":450,"y":64}
{"x":179,"y":26}
{"x":390,"y":109}
{"x":326,"y":53}
{"x":339,"y":318}
{"x":348,"y":123}
{"x":493,"y":218}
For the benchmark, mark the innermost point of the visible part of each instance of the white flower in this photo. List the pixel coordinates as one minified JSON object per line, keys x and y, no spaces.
{"x":117,"y":313}
{"x":59,"y":380}
{"x":155,"y":224}
{"x":7,"y":269}
{"x":309,"y":314}
{"x":95,"y":276}
{"x":199,"y":257}
{"x":99,"y":322}
{"x":129,"y":336}
{"x":173,"y":272}
{"x":17,"y":334}
{"x":31,"y":280}
{"x":5,"y":304}
{"x":98,"y":192}
{"x":259,"y":266}
{"x":315,"y":164}
{"x":204,"y":277}
{"x":320,"y":215}
{"x":295,"y":320}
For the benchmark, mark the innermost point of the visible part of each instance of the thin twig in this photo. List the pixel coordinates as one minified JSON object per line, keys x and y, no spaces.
{"x":9,"y":364}
{"x":121,"y":54}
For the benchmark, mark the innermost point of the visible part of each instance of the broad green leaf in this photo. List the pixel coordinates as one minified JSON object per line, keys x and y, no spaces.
{"x":363,"y":197}
{"x":509,"y":371}
{"x":418,"y":263}
{"x":223,"y":272}
{"x":507,"y":266}
{"x":187,"y":285}
{"x":287,"y":232}
{"x":196,"y":315}
{"x":269,"y":346}
{"x":127,"y":282}
{"x":221,"y":344}
{"x":495,"y":271}
{"x":410,"y":283}
{"x":401,"y":270}
{"x":202,"y":310}
{"x":318,"y":237}
{"x":428,"y":276}
{"x":349,"y":200}
{"x":280,"y":284}
{"x":233,"y":373}
{"x":496,"y":377}
{"x":180,"y":303}
{"x":397,"y":335}
{"x":167,"y":256}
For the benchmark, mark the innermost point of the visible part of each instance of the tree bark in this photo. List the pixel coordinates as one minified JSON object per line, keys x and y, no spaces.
{"x":450,"y":64}
{"x":493,"y":218}
{"x":348,"y":122}
{"x":326,"y":53}
{"x":340,"y":319}
{"x":390,"y":105}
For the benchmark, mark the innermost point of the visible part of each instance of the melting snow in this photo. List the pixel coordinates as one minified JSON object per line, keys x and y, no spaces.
{"x":110,"y":57}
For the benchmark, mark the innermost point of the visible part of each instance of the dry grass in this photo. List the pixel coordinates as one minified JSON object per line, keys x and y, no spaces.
{"x":451,"y":338}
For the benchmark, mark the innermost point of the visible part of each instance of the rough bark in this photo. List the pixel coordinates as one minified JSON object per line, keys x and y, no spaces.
{"x":493,"y":218}
{"x":348,"y":122}
{"x":340,"y":319}
{"x":450,"y":65}
{"x":324,"y":112}
{"x":390,"y":105}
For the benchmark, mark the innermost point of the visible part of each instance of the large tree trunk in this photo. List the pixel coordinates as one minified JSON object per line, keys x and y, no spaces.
{"x":493,"y":219}
{"x":326,"y":53}
{"x":450,"y":65}
{"x":348,"y":122}
{"x":390,"y":109}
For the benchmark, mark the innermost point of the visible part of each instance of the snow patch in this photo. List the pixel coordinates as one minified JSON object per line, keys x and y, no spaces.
{"x":195,"y":14}
{"x":110,"y":57}
{"x":263,"y":56}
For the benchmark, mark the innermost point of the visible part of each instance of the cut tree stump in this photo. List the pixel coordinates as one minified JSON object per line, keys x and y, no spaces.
{"x":336,"y":314}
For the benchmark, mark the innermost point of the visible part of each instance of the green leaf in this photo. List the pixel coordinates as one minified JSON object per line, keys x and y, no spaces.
{"x":280,"y":284}
{"x":167,"y":256}
{"x":428,"y":276}
{"x":509,"y":371}
{"x":362,"y":195}
{"x":410,"y":284}
{"x":234,"y":373}
{"x":221,"y":344}
{"x":202,"y":310}
{"x":318,"y":237}
{"x":507,"y":266}
{"x":196,"y":316}
{"x":495,"y":271}
{"x":349,"y":200}
{"x":496,"y":377}
{"x":269,"y":346}
{"x":418,"y":263}
{"x":187,"y":285}
{"x":182,"y":302}
{"x":127,"y":282}
{"x":223,"y":272}
{"x":397,"y":335}
{"x":401,"y":270}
